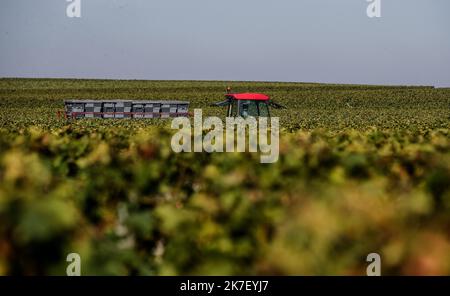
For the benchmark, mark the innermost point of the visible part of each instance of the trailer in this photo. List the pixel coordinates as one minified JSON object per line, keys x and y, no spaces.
{"x":77,"y":109}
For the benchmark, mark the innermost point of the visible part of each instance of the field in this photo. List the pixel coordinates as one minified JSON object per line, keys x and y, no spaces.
{"x":310,"y":106}
{"x":362,"y":169}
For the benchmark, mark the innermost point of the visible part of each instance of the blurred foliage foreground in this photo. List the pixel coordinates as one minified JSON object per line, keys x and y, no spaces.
{"x":130,"y":206}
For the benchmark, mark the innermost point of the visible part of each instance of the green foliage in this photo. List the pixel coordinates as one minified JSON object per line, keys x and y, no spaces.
{"x":129,"y":205}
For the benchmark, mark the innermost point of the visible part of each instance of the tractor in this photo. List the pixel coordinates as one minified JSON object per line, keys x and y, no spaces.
{"x":247,"y":104}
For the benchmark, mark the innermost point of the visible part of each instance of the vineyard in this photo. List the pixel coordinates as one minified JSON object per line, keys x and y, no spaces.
{"x":362,"y":169}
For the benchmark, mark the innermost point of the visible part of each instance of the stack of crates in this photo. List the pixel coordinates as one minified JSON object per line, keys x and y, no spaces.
{"x":108,"y":109}
{"x":138,"y":110}
{"x":152,"y":109}
{"x":168,"y":109}
{"x":122,"y":109}
{"x":125,"y":109}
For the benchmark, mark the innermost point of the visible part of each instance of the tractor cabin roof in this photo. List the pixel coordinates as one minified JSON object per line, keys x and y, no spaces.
{"x":248,"y":96}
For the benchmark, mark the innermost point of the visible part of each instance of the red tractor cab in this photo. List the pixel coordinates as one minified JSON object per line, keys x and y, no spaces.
{"x":248,"y":104}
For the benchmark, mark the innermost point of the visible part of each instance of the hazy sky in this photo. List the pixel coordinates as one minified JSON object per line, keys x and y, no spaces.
{"x":282,"y":40}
